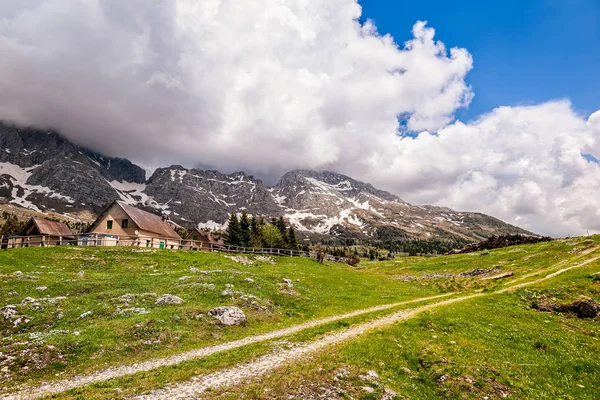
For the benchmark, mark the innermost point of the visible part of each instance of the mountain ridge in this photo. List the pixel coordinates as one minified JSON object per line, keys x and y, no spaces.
{"x":43,"y":171}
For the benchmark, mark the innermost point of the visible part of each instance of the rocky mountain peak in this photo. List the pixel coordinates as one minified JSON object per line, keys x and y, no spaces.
{"x":43,"y":171}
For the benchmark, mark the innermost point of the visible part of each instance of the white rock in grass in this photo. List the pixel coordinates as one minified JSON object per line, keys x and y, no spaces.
{"x":249,"y":280}
{"x":41,"y":288}
{"x":228,"y":315}
{"x":288,"y":282}
{"x":85,"y":315}
{"x":18,"y":273}
{"x":169,"y":299}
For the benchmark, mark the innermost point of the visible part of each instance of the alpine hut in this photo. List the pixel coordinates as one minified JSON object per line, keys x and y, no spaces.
{"x":124,"y":225}
{"x":42,"y":232}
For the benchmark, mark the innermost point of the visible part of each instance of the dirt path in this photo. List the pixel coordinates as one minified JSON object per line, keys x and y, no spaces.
{"x":262,"y":365}
{"x":253,"y":369}
{"x":124,"y":370}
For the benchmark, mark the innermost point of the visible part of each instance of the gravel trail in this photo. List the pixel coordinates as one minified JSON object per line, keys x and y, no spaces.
{"x":254,"y":369}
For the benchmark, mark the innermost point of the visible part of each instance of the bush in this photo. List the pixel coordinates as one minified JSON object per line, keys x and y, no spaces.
{"x":351,"y":258}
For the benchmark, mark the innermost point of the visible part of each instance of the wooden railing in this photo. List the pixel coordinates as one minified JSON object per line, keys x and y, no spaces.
{"x":100,"y":240}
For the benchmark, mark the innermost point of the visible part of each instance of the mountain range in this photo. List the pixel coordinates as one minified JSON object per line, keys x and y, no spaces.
{"x":43,"y":171}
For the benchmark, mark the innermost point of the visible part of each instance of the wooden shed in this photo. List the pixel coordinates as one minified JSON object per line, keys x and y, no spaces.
{"x":42,"y":232}
{"x":123,"y":224}
{"x":200,"y":240}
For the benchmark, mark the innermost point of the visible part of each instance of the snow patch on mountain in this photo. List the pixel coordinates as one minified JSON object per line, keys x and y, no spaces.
{"x":18,"y":177}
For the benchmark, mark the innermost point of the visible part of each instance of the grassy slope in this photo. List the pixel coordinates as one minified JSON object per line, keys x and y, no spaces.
{"x":106,"y":338}
{"x":493,"y":347}
{"x":322,"y":290}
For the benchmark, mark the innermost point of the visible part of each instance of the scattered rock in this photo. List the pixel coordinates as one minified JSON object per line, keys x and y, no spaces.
{"x":388,"y":394}
{"x":228,"y":315}
{"x":194,"y":269}
{"x":85,"y":315}
{"x":81,"y":274}
{"x":249,"y":280}
{"x":183,"y":278}
{"x":266,"y":259}
{"x":368,"y":389}
{"x":342,"y":373}
{"x":8,"y":312}
{"x":442,"y":378}
{"x":29,"y":300}
{"x":208,"y":286}
{"x":168,"y":299}
{"x":41,"y":288}
{"x":18,"y":273}
{"x":288,"y":282}
{"x":132,"y":310}
{"x":241,"y":259}
{"x":370,"y":376}
{"x":20,"y":320}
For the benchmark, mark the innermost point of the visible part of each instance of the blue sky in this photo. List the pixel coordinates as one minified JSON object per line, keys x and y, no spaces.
{"x":524,"y":52}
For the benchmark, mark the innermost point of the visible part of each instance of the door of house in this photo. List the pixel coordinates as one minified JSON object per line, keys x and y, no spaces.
{"x":161,"y":244}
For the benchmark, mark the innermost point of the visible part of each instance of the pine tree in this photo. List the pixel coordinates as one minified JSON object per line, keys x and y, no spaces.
{"x":232,"y":234}
{"x":280,"y":225}
{"x":291,"y":235}
{"x":244,"y":229}
{"x":255,"y":233}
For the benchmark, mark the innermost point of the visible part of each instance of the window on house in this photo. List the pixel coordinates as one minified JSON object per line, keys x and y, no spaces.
{"x":195,"y":237}
{"x":109,"y":224}
{"x":125,"y":223}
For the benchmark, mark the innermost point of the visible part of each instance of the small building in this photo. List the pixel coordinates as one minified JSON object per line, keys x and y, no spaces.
{"x":124,"y":225}
{"x":200,"y":240}
{"x":42,"y":232}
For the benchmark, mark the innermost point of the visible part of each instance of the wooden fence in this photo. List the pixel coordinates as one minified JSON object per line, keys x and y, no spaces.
{"x":103,"y":240}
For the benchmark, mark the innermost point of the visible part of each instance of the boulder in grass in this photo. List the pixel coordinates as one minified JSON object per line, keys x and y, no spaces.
{"x":228,"y":315}
{"x":168,"y":299}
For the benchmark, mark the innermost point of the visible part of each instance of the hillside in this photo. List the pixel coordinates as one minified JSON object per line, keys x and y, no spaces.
{"x":460,"y":326}
{"x":43,"y":172}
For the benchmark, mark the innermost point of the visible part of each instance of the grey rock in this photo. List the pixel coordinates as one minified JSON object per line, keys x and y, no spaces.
{"x":228,"y":315}
{"x":168,"y":299}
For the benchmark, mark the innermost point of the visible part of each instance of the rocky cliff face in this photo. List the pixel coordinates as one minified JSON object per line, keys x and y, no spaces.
{"x":43,"y":171}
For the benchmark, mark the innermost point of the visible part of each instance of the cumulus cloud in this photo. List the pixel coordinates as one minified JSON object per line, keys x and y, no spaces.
{"x":521,"y":164}
{"x":271,"y":86}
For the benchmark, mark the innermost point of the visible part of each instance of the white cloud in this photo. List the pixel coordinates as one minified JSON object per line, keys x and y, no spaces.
{"x":521,"y":164}
{"x":271,"y":86}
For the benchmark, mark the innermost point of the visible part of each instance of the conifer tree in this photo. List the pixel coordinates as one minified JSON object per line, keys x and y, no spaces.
{"x":291,"y":235}
{"x":232,"y":234}
{"x":244,"y":229}
{"x":280,"y":225}
{"x":255,"y":232}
